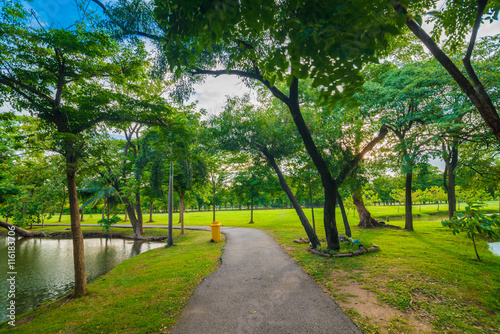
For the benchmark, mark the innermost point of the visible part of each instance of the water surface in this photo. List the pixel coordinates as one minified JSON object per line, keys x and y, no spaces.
{"x":495,"y":248}
{"x":45,"y":267}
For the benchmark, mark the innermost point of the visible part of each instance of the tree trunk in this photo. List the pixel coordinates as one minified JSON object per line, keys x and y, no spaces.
{"x":330,"y":187}
{"x":62,"y":208}
{"x":138,"y":210}
{"x":251,"y":211}
{"x":311,"y":233}
{"x":451,"y":165}
{"x":181,"y":211}
{"x":82,"y":212}
{"x":365,"y":218}
{"x":213,"y":184}
{"x":21,"y":232}
{"x":151,"y":212}
{"x":475,"y":90}
{"x":408,"y":203}
{"x":170,"y":239}
{"x":344,"y":217}
{"x":133,"y":219}
{"x":103,"y":208}
{"x":126,"y":216}
{"x":76,"y":231}
{"x":312,"y":206}
{"x":329,"y":219}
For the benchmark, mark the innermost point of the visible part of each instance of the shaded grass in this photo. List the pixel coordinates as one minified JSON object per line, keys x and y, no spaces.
{"x":144,"y":294}
{"x":428,"y":272}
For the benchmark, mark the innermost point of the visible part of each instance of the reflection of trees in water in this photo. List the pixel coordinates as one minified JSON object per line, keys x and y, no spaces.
{"x":105,"y":257}
{"x":45,"y":271}
{"x":136,"y":248}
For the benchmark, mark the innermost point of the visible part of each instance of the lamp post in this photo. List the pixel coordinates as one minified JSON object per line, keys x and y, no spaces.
{"x":170,"y":240}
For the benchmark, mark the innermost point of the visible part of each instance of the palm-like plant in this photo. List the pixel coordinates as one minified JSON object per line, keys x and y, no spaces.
{"x":100,"y":190}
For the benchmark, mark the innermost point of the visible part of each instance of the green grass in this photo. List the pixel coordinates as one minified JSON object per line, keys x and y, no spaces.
{"x":429,"y":274}
{"x":144,"y":294}
{"x":242,"y":217}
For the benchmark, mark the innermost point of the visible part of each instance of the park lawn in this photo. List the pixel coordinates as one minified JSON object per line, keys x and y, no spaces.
{"x":425,"y":280}
{"x":144,"y":294}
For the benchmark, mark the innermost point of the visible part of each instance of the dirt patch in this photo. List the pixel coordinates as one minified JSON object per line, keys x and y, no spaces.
{"x":350,"y":295}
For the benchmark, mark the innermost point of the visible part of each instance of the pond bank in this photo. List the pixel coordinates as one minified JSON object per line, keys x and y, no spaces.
{"x":142,"y":294}
{"x":44,"y":266}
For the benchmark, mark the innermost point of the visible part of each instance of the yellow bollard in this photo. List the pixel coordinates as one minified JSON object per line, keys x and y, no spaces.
{"x":215,"y":226}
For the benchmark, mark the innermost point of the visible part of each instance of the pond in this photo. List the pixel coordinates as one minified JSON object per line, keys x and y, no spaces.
{"x":45,"y":267}
{"x":495,"y":248}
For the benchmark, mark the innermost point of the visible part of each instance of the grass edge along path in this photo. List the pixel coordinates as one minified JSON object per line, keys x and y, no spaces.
{"x":144,"y":294}
{"x":422,"y":281}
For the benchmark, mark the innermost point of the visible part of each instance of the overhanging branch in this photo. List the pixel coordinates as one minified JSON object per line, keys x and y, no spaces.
{"x":256,"y":76}
{"x":358,"y":157}
{"x":125,"y":30}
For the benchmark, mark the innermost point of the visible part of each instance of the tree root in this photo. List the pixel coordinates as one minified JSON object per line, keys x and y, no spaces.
{"x":353,"y":253}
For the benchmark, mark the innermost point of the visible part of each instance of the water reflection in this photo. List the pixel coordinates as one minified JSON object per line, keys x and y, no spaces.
{"x":495,"y":248}
{"x":45,"y":266}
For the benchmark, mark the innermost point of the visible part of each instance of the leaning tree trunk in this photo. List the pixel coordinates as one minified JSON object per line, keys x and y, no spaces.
{"x":133,"y":219}
{"x":80,"y":288}
{"x":344,"y":217}
{"x":311,"y":233}
{"x":365,"y":218}
{"x":138,"y":209}
{"x":330,"y":187}
{"x":20,"y":231}
{"x":408,"y":203}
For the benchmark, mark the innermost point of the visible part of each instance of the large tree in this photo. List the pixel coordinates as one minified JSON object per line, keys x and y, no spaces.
{"x":267,"y":42}
{"x":265,"y":133}
{"x":458,"y":20}
{"x":59,"y":76}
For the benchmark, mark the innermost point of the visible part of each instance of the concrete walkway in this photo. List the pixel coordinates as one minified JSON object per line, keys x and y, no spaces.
{"x":260,"y":289}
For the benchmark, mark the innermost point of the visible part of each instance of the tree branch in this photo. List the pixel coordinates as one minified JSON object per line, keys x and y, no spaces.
{"x":12,"y":83}
{"x":256,"y":76}
{"x":489,"y":114}
{"x":467,"y":59}
{"x":121,"y":26}
{"x":358,"y":157}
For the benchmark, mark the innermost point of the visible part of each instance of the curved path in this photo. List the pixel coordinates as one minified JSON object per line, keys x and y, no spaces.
{"x":260,"y":289}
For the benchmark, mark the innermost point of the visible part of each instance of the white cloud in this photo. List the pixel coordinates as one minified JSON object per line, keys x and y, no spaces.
{"x":489,"y":29}
{"x":211,"y":95}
